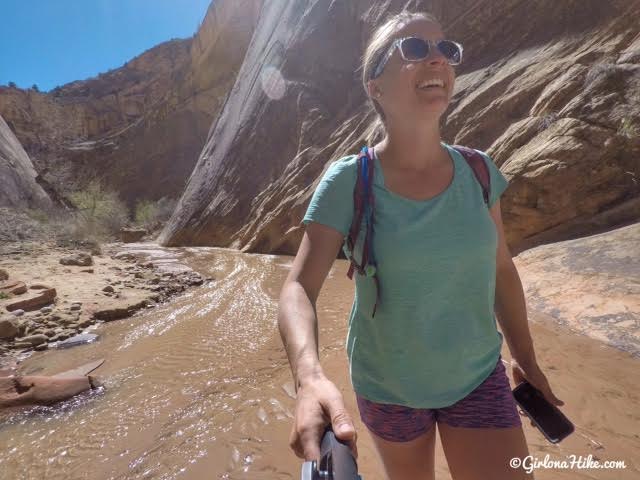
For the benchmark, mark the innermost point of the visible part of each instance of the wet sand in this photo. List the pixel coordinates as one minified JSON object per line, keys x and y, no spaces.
{"x":201,"y":388}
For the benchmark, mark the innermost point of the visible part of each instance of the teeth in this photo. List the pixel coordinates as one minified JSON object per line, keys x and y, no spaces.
{"x":434,"y":81}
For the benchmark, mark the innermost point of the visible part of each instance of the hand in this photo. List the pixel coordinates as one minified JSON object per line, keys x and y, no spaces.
{"x":319,"y":403}
{"x":535,"y":377}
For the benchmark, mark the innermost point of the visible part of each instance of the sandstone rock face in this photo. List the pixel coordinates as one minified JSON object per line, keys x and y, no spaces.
{"x":591,"y":284}
{"x":17,"y":175}
{"x":141,"y":126}
{"x":552,"y":95}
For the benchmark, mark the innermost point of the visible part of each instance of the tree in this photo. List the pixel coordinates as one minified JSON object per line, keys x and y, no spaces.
{"x":12,"y":85}
{"x":35,"y":87}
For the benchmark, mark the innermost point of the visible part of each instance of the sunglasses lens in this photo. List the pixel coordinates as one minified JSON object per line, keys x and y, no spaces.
{"x":414,"y":49}
{"x":451,"y":51}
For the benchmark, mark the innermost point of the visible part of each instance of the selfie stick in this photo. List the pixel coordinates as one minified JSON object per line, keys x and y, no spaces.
{"x":336,"y":461}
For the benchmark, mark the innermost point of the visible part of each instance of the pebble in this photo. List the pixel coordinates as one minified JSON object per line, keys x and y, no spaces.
{"x":18,"y":313}
{"x":46,"y":310}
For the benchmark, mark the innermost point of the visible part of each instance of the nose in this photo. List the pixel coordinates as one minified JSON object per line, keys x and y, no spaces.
{"x":435,"y":55}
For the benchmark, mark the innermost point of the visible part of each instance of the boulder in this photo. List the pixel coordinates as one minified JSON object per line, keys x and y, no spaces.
{"x":127,"y":256}
{"x":40,"y":390}
{"x":45,"y":297}
{"x":81,"y":259}
{"x":8,"y":328}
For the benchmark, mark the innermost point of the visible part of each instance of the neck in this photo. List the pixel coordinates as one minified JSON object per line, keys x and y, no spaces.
{"x":412,"y":147}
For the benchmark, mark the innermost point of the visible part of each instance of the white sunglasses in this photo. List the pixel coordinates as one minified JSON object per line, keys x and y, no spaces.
{"x":415,"y":49}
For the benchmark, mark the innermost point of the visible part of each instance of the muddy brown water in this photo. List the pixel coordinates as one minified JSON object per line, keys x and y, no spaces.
{"x":200,"y":388}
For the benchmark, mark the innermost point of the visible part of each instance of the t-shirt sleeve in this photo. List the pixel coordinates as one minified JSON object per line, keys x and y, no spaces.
{"x":499,"y":182}
{"x":332,"y":202}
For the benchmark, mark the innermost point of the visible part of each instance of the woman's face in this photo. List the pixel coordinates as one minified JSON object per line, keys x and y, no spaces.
{"x":401,"y":98}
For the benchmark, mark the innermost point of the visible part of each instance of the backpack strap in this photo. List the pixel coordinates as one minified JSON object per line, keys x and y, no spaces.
{"x":477,"y":163}
{"x":360,"y":197}
{"x":363,"y":202}
{"x":363,"y":206}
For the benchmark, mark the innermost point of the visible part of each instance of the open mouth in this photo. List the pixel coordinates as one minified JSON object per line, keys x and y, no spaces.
{"x":431,"y":84}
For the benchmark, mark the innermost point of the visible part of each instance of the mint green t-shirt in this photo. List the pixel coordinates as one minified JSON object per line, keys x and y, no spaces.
{"x":434,"y":337}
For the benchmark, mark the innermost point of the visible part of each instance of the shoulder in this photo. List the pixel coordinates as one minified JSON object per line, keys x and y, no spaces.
{"x":343,"y":169}
{"x":345,"y":164}
{"x":469,"y":151}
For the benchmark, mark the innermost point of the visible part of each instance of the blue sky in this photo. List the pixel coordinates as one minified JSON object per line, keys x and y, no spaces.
{"x":53,"y":42}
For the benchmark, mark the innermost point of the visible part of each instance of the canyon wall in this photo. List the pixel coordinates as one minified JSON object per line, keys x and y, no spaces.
{"x":140,"y":127}
{"x":17,"y":175}
{"x":552,"y":93}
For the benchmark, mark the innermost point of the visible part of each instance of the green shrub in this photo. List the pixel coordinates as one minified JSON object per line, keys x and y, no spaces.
{"x":37,"y":214}
{"x":627,"y":129}
{"x":100,"y":212}
{"x":151,"y":215}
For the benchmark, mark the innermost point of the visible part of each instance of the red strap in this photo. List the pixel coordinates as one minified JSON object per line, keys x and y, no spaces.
{"x":478,"y":165}
{"x":354,"y":231}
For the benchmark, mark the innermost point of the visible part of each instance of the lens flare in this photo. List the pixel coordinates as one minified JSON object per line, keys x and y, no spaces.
{"x":273,"y":83}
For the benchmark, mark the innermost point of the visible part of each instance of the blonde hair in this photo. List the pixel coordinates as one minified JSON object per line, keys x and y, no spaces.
{"x":378,"y":44}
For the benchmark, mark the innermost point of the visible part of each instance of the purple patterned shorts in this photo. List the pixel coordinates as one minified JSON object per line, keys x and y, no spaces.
{"x":490,"y":405}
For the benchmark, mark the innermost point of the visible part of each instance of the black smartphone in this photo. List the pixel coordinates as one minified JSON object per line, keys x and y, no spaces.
{"x":547,"y":417}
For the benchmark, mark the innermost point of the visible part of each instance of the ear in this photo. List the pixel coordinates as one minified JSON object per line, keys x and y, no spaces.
{"x":372,"y":88}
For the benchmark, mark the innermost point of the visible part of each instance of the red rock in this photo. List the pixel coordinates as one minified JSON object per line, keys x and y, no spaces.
{"x":35,"y":302}
{"x":39,"y":390}
{"x":13,"y":286}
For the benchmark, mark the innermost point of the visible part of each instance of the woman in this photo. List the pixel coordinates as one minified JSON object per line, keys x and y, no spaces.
{"x":431,"y":354}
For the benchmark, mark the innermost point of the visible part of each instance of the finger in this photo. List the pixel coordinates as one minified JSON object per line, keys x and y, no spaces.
{"x":549,"y":395}
{"x":295,"y":444}
{"x":310,"y":441}
{"x":305,"y":442}
{"x":517,"y":374}
{"x":552,"y":397}
{"x":545,"y":388}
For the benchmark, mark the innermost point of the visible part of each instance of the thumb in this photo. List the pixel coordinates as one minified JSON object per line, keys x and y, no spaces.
{"x":343,"y":427}
{"x":341,"y":422}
